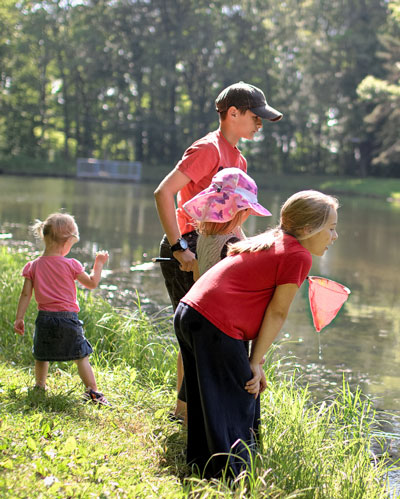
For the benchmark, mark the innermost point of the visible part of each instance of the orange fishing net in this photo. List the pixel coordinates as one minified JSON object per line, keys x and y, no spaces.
{"x":326,"y":299}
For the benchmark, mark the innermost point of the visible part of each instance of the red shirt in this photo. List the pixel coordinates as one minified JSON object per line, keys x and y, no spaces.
{"x":200,"y":162}
{"x":234,"y":294}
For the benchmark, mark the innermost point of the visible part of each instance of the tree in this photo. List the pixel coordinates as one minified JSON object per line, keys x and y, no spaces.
{"x":23,"y":104}
{"x":324,"y":49}
{"x":137,"y":79}
{"x":383,"y":122}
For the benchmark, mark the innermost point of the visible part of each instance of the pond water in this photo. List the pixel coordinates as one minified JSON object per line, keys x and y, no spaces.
{"x":362,"y":344}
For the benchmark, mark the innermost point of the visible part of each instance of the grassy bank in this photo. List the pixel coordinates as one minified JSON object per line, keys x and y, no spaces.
{"x":25,"y":165}
{"x":384,"y":188}
{"x":55,"y":446}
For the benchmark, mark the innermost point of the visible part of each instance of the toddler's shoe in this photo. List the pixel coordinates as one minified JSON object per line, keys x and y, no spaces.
{"x":95,"y":397}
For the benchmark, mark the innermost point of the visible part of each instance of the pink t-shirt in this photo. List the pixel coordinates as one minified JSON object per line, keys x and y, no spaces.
{"x":234,"y":294}
{"x":53,"y":280}
{"x":200,"y":162}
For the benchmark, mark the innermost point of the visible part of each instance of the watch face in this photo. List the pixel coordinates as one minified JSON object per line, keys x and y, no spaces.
{"x":183,"y":243}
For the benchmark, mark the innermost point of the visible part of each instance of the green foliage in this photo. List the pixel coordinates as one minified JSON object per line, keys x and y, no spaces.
{"x":53,"y":445}
{"x":382,"y":95}
{"x":138,"y":80}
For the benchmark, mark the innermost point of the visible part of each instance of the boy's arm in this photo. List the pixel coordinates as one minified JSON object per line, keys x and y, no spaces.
{"x":24,"y":300}
{"x":92,"y":281}
{"x":165,"y":202}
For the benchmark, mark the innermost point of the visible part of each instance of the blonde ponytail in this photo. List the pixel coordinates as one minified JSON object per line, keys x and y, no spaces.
{"x":304,"y":210}
{"x":57,"y":228}
{"x":37,"y":229}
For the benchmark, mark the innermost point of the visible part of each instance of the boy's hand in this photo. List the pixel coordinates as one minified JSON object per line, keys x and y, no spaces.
{"x":186,"y":259}
{"x":19,"y":327}
{"x":102,"y":257}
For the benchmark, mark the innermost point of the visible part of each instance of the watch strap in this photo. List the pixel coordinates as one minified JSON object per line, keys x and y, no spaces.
{"x":177,"y":246}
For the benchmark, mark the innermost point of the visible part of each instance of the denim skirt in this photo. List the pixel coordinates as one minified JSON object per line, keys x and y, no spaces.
{"x":59,"y":337}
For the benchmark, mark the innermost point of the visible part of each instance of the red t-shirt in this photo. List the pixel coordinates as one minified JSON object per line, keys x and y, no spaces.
{"x":234,"y":294}
{"x":200,"y":162}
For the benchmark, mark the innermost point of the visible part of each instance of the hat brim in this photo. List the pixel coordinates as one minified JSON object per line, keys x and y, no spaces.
{"x":260,"y":211}
{"x":267,"y":113}
{"x":204,"y":208}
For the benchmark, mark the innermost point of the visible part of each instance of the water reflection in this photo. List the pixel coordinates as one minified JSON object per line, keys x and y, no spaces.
{"x":362,"y":343}
{"x":118,"y":217}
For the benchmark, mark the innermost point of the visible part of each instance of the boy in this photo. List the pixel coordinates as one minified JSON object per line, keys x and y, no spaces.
{"x":241,"y":108}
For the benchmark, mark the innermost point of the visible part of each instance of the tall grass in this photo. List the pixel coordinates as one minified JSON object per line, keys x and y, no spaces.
{"x":309,"y":451}
{"x":52,"y":446}
{"x":117,"y":336}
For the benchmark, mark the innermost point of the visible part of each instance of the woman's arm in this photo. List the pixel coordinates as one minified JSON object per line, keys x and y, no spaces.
{"x":274,"y":318}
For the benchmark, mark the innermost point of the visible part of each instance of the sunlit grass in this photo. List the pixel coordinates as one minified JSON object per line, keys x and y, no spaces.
{"x":376,"y":187}
{"x":53,"y":445}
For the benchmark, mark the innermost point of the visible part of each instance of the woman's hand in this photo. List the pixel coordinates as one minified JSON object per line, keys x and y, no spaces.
{"x":263,"y":381}
{"x":258,"y":382}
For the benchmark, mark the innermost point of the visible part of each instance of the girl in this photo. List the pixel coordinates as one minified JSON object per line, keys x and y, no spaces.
{"x":220,"y":210}
{"x":246,"y":296}
{"x":58,"y":332}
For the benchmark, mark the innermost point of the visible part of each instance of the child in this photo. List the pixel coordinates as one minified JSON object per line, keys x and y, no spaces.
{"x":220,"y":210}
{"x":241,"y":108}
{"x":58,"y":331}
{"x":245,"y":297}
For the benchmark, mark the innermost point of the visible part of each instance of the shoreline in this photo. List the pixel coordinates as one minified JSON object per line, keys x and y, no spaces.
{"x":370,"y":187}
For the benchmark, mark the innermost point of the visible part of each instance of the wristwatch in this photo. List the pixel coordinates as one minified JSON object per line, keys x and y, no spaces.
{"x":180,"y":245}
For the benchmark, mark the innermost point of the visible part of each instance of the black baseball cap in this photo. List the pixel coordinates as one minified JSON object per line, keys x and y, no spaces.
{"x":244,"y":95}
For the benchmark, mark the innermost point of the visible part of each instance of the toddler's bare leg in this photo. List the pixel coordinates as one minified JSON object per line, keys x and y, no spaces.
{"x":86,"y":373}
{"x":41,"y":371}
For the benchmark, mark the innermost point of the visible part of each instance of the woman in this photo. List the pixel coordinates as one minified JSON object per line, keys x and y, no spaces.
{"x":244,"y":297}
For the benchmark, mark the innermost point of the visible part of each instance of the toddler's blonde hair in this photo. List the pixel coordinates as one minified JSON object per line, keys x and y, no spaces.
{"x":58,"y":228}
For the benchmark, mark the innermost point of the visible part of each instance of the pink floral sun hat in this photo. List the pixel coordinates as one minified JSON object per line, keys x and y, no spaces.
{"x":231,"y":190}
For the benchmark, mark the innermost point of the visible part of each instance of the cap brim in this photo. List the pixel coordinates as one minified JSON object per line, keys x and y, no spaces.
{"x":267,"y":113}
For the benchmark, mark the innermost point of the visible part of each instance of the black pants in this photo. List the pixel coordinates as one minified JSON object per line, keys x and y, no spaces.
{"x":177,"y":281}
{"x":221,"y":413}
